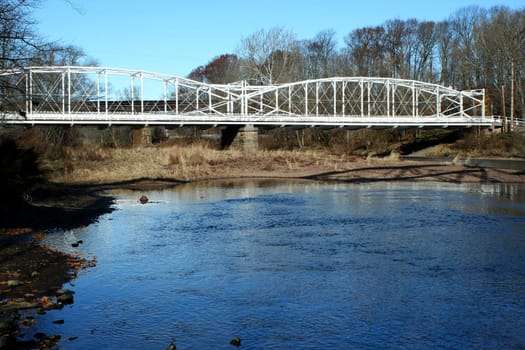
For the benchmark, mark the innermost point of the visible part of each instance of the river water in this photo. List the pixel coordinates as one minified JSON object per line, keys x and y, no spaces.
{"x":301,"y":265}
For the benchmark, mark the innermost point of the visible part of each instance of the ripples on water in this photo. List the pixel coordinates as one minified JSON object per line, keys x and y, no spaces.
{"x":302,"y":266}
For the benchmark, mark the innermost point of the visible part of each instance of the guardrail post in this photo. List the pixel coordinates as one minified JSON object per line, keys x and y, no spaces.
{"x":132,"y":83}
{"x":69,"y":91}
{"x":141,"y":93}
{"x":29,"y":92}
{"x":244,"y":102}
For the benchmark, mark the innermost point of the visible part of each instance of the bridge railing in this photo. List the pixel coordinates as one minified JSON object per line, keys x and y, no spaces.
{"x":510,"y":123}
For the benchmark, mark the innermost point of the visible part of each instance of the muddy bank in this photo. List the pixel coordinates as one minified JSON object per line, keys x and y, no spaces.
{"x":32,"y":275}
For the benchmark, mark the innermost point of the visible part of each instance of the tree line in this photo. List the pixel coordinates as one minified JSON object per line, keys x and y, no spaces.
{"x":475,"y":48}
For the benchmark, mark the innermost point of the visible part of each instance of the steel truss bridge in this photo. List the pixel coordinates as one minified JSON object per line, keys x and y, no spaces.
{"x":113,"y":96}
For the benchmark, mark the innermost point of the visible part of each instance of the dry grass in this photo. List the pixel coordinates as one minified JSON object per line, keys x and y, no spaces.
{"x":98,"y":165}
{"x":475,"y":145}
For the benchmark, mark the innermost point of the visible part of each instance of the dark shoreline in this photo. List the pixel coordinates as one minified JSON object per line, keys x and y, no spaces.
{"x":29,"y":272}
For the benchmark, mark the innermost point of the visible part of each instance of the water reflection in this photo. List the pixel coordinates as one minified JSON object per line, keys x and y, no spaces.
{"x":302,"y":265}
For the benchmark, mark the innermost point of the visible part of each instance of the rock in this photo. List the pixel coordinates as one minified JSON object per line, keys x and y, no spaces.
{"x":28,"y":321}
{"x":19,"y":305}
{"x":6,"y":326}
{"x":5,"y":341}
{"x":235,"y":342}
{"x":143,"y":199}
{"x":77,"y":243}
{"x":13,"y":283}
{"x":39,"y":335}
{"x":50,"y":340}
{"x":64,"y":291}
{"x":55,"y":337}
{"x":172,"y":346}
{"x":65,"y":298}
{"x":57,"y":306}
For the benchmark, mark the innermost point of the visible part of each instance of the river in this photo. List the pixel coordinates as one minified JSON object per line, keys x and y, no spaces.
{"x":301,"y":265}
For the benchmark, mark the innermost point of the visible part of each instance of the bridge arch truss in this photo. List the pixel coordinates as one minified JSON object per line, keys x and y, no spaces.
{"x":102,"y":95}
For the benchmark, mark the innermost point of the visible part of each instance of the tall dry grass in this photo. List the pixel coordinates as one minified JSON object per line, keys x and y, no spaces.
{"x":95,"y":164}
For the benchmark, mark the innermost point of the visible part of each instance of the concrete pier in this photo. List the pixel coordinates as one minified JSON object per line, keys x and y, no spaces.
{"x":142,"y":136}
{"x":240,"y":137}
{"x":247,"y":138}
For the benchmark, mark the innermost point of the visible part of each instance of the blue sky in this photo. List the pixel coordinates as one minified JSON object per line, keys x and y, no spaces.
{"x":175,"y":36}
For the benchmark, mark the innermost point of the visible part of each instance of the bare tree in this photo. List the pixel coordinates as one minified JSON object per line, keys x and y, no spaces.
{"x":500,"y":42}
{"x":367,"y":50}
{"x":62,"y":55}
{"x":268,"y":56}
{"x":395,"y":38}
{"x":445,"y":49}
{"x":464,"y":24}
{"x":424,"y":56}
{"x":18,"y":42}
{"x":319,"y":52}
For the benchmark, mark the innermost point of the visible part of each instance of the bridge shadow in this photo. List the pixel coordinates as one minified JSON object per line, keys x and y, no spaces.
{"x":142,"y":183}
{"x":436,"y":172}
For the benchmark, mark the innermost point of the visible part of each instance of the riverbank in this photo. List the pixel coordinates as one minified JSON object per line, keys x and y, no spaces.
{"x":100,"y":166}
{"x":31,"y":274}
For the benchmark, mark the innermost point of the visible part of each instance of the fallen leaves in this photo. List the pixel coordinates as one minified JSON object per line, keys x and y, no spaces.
{"x":39,"y":236}
{"x":15,"y":231}
{"x":77,"y":263}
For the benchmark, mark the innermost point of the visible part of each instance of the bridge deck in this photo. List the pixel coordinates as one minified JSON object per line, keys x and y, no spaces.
{"x":348,"y":122}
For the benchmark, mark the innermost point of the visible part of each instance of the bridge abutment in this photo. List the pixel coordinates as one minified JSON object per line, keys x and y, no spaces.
{"x":142,"y":136}
{"x":244,"y":138}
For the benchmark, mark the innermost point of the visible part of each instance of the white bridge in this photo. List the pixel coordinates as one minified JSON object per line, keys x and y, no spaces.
{"x":112,"y":96}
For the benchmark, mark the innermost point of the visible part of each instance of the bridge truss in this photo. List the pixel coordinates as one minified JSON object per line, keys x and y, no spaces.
{"x":112,"y":96}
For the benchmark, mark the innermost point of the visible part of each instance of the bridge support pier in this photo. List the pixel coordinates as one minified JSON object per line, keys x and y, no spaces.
{"x":142,"y":136}
{"x":244,"y":138}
